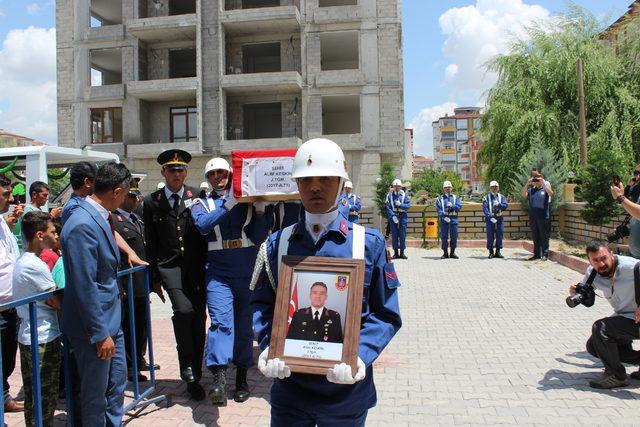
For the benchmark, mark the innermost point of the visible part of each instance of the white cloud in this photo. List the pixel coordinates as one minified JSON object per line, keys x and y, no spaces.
{"x":28,"y":83}
{"x":33,"y":8}
{"x":423,"y":129}
{"x":477,"y":33}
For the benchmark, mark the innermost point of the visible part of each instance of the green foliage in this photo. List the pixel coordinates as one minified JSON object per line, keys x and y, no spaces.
{"x":58,"y":180}
{"x":431,"y":182}
{"x":535,"y":99}
{"x":382,"y":184}
{"x":545,"y":161}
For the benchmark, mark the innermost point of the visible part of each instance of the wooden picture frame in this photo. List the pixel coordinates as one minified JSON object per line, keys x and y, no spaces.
{"x":316,"y":356}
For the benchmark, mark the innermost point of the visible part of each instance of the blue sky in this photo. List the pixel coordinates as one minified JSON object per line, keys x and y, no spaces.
{"x":445,"y":45}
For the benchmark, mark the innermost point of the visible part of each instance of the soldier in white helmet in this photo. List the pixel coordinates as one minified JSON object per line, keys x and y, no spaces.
{"x":493,"y":205}
{"x":337,"y":398}
{"x":350,"y":204}
{"x":397,"y":204}
{"x":448,"y":205}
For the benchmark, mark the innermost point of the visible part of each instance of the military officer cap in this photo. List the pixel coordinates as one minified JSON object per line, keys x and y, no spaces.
{"x":174,"y":159}
{"x":134,"y":187}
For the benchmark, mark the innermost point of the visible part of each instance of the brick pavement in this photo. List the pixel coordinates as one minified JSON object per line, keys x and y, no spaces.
{"x":489,"y":342}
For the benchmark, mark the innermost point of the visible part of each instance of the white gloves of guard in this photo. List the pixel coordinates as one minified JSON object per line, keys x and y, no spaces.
{"x":229,"y":200}
{"x":395,"y":219}
{"x":449,"y":204}
{"x":446,"y":219}
{"x":493,"y":220}
{"x":496,"y":203}
{"x":272,"y":368}
{"x":341,"y":374}
{"x":397,"y":203}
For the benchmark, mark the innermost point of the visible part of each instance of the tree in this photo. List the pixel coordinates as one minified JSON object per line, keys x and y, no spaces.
{"x":382,"y":184}
{"x":535,"y":100}
{"x":431,"y":181}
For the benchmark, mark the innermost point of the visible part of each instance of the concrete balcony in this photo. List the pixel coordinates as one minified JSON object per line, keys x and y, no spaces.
{"x":335,"y":78}
{"x":282,"y":82}
{"x":164,"y":90}
{"x":104,"y":93}
{"x":164,"y":28}
{"x":152,"y":150}
{"x":110,"y":147}
{"x":333,"y":14}
{"x":107,"y":33}
{"x":282,"y":19}
{"x":259,"y":144}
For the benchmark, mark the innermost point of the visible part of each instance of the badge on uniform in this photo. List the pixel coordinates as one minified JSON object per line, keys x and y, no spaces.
{"x":343,"y":227}
{"x":390,"y":276}
{"x":342,"y":282}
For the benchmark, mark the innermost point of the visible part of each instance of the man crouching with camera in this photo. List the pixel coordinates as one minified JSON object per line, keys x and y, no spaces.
{"x":611,"y":337}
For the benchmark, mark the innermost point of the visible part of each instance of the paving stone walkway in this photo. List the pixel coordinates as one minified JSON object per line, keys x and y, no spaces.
{"x":484,"y":342}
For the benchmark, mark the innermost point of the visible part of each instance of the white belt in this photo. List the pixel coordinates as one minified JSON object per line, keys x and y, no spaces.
{"x":229,"y":244}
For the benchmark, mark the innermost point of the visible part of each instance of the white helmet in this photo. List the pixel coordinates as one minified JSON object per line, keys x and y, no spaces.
{"x":319,"y":157}
{"x":348,"y":184}
{"x":204,"y":185}
{"x":160,"y":186}
{"x":493,"y":184}
{"x":447,"y":184}
{"x":397,"y":182}
{"x":217,"y":163}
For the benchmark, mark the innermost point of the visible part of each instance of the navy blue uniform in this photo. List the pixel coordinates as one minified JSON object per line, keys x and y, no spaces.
{"x":398,"y":230}
{"x":539,"y":215}
{"x":232,"y":236}
{"x":349,"y":206}
{"x":312,"y":396}
{"x":493,"y":205}
{"x":448,"y":230}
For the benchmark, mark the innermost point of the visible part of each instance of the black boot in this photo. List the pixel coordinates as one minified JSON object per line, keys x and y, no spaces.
{"x":242,"y":388}
{"x":218,"y":394}
{"x":402,"y":255}
{"x":395,"y":254}
{"x":453,"y":254}
{"x":491,"y":253}
{"x":498,"y":254}
{"x":445,"y":254}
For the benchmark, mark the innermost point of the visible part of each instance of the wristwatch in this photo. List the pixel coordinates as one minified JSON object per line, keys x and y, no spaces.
{"x":620,"y":199}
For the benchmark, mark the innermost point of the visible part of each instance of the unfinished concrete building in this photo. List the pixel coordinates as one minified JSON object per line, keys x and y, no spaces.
{"x":136,"y":77}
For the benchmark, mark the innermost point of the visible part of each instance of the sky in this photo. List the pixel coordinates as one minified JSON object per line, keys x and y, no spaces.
{"x":445,"y":44}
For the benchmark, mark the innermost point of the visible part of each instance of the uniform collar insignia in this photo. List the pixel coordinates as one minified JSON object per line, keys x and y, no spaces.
{"x":343,"y":227}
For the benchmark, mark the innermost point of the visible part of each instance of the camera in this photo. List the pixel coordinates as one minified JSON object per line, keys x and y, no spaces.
{"x":584,"y":295}
{"x":620,"y":232}
{"x":535,"y":180}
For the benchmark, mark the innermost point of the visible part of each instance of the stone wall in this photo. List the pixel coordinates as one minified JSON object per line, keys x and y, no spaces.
{"x":575,"y":229}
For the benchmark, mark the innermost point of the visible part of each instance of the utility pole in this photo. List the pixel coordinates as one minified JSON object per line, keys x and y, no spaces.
{"x":583,"y":119}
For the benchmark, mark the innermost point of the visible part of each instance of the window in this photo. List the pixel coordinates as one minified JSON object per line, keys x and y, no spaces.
{"x":341,"y":115}
{"x":448,"y":135}
{"x":105,"y":12}
{"x":476,"y":123}
{"x":184,"y":124}
{"x":462,"y":135}
{"x":106,"y":125}
{"x":105,"y":66}
{"x":182,"y":63}
{"x":461,"y":124}
{"x":329,"y":3}
{"x":262,"y":120}
{"x":261,"y":58}
{"x":252,"y":4}
{"x":339,"y":51}
{"x":182,"y":7}
{"x":447,"y":122}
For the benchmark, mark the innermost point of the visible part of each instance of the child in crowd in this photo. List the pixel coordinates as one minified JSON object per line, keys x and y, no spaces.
{"x":32,"y":276}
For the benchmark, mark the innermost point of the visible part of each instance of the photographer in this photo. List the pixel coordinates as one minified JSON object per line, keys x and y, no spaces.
{"x":628,"y":198}
{"x":611,"y":337}
{"x":538,"y":191}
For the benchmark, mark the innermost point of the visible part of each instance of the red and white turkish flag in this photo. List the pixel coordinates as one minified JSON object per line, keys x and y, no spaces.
{"x":293,"y":302}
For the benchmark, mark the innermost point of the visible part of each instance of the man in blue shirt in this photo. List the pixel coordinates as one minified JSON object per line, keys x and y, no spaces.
{"x":493,"y":204}
{"x":538,"y":192}
{"x":448,"y":205}
{"x":337,"y":398}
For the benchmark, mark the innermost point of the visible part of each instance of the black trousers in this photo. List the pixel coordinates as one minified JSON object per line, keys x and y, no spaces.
{"x":9,"y":336}
{"x":539,"y":235}
{"x":140,"y":316}
{"x":189,"y":327}
{"x":610,"y":341}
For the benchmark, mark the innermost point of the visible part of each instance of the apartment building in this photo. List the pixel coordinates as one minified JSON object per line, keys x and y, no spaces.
{"x":136,"y":77}
{"x":456,"y":144}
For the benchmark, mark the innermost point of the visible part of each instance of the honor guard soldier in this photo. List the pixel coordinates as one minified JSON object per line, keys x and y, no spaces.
{"x":448,"y":205}
{"x":130,"y":226}
{"x":493,"y":204}
{"x":176,"y":251}
{"x":350,"y":204}
{"x":316,"y":323}
{"x":337,"y":398}
{"x":397,"y":203}
{"x":234,"y":232}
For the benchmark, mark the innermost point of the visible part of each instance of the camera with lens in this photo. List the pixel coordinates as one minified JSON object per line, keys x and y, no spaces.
{"x":535,"y":180}
{"x":585,"y":295}
{"x":620,"y":232}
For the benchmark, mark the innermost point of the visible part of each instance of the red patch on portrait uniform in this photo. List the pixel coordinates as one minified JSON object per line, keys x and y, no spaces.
{"x":342,"y":282}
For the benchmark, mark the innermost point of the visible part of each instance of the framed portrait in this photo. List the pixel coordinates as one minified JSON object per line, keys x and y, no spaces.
{"x":316,"y":321}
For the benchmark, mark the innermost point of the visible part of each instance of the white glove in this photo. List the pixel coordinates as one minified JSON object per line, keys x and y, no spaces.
{"x":449,"y":204}
{"x":272,"y":368}
{"x":230,"y":200}
{"x":260,"y":205}
{"x":341,"y":374}
{"x":446,"y":219}
{"x":496,"y":203}
{"x":493,"y":220}
{"x":395,"y":219}
{"x":397,"y":203}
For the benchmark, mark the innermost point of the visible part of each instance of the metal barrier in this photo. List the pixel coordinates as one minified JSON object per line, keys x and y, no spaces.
{"x":140,"y":400}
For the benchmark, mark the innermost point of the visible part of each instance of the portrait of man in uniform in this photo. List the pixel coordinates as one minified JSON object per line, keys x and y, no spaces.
{"x":316,"y":322}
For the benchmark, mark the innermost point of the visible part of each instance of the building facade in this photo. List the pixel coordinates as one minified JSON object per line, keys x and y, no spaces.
{"x":624,"y":31}
{"x":422,"y":163}
{"x":456,"y":143}
{"x":137,"y":77}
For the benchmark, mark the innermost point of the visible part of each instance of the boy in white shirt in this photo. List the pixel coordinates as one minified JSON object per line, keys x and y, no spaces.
{"x":32,"y":276}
